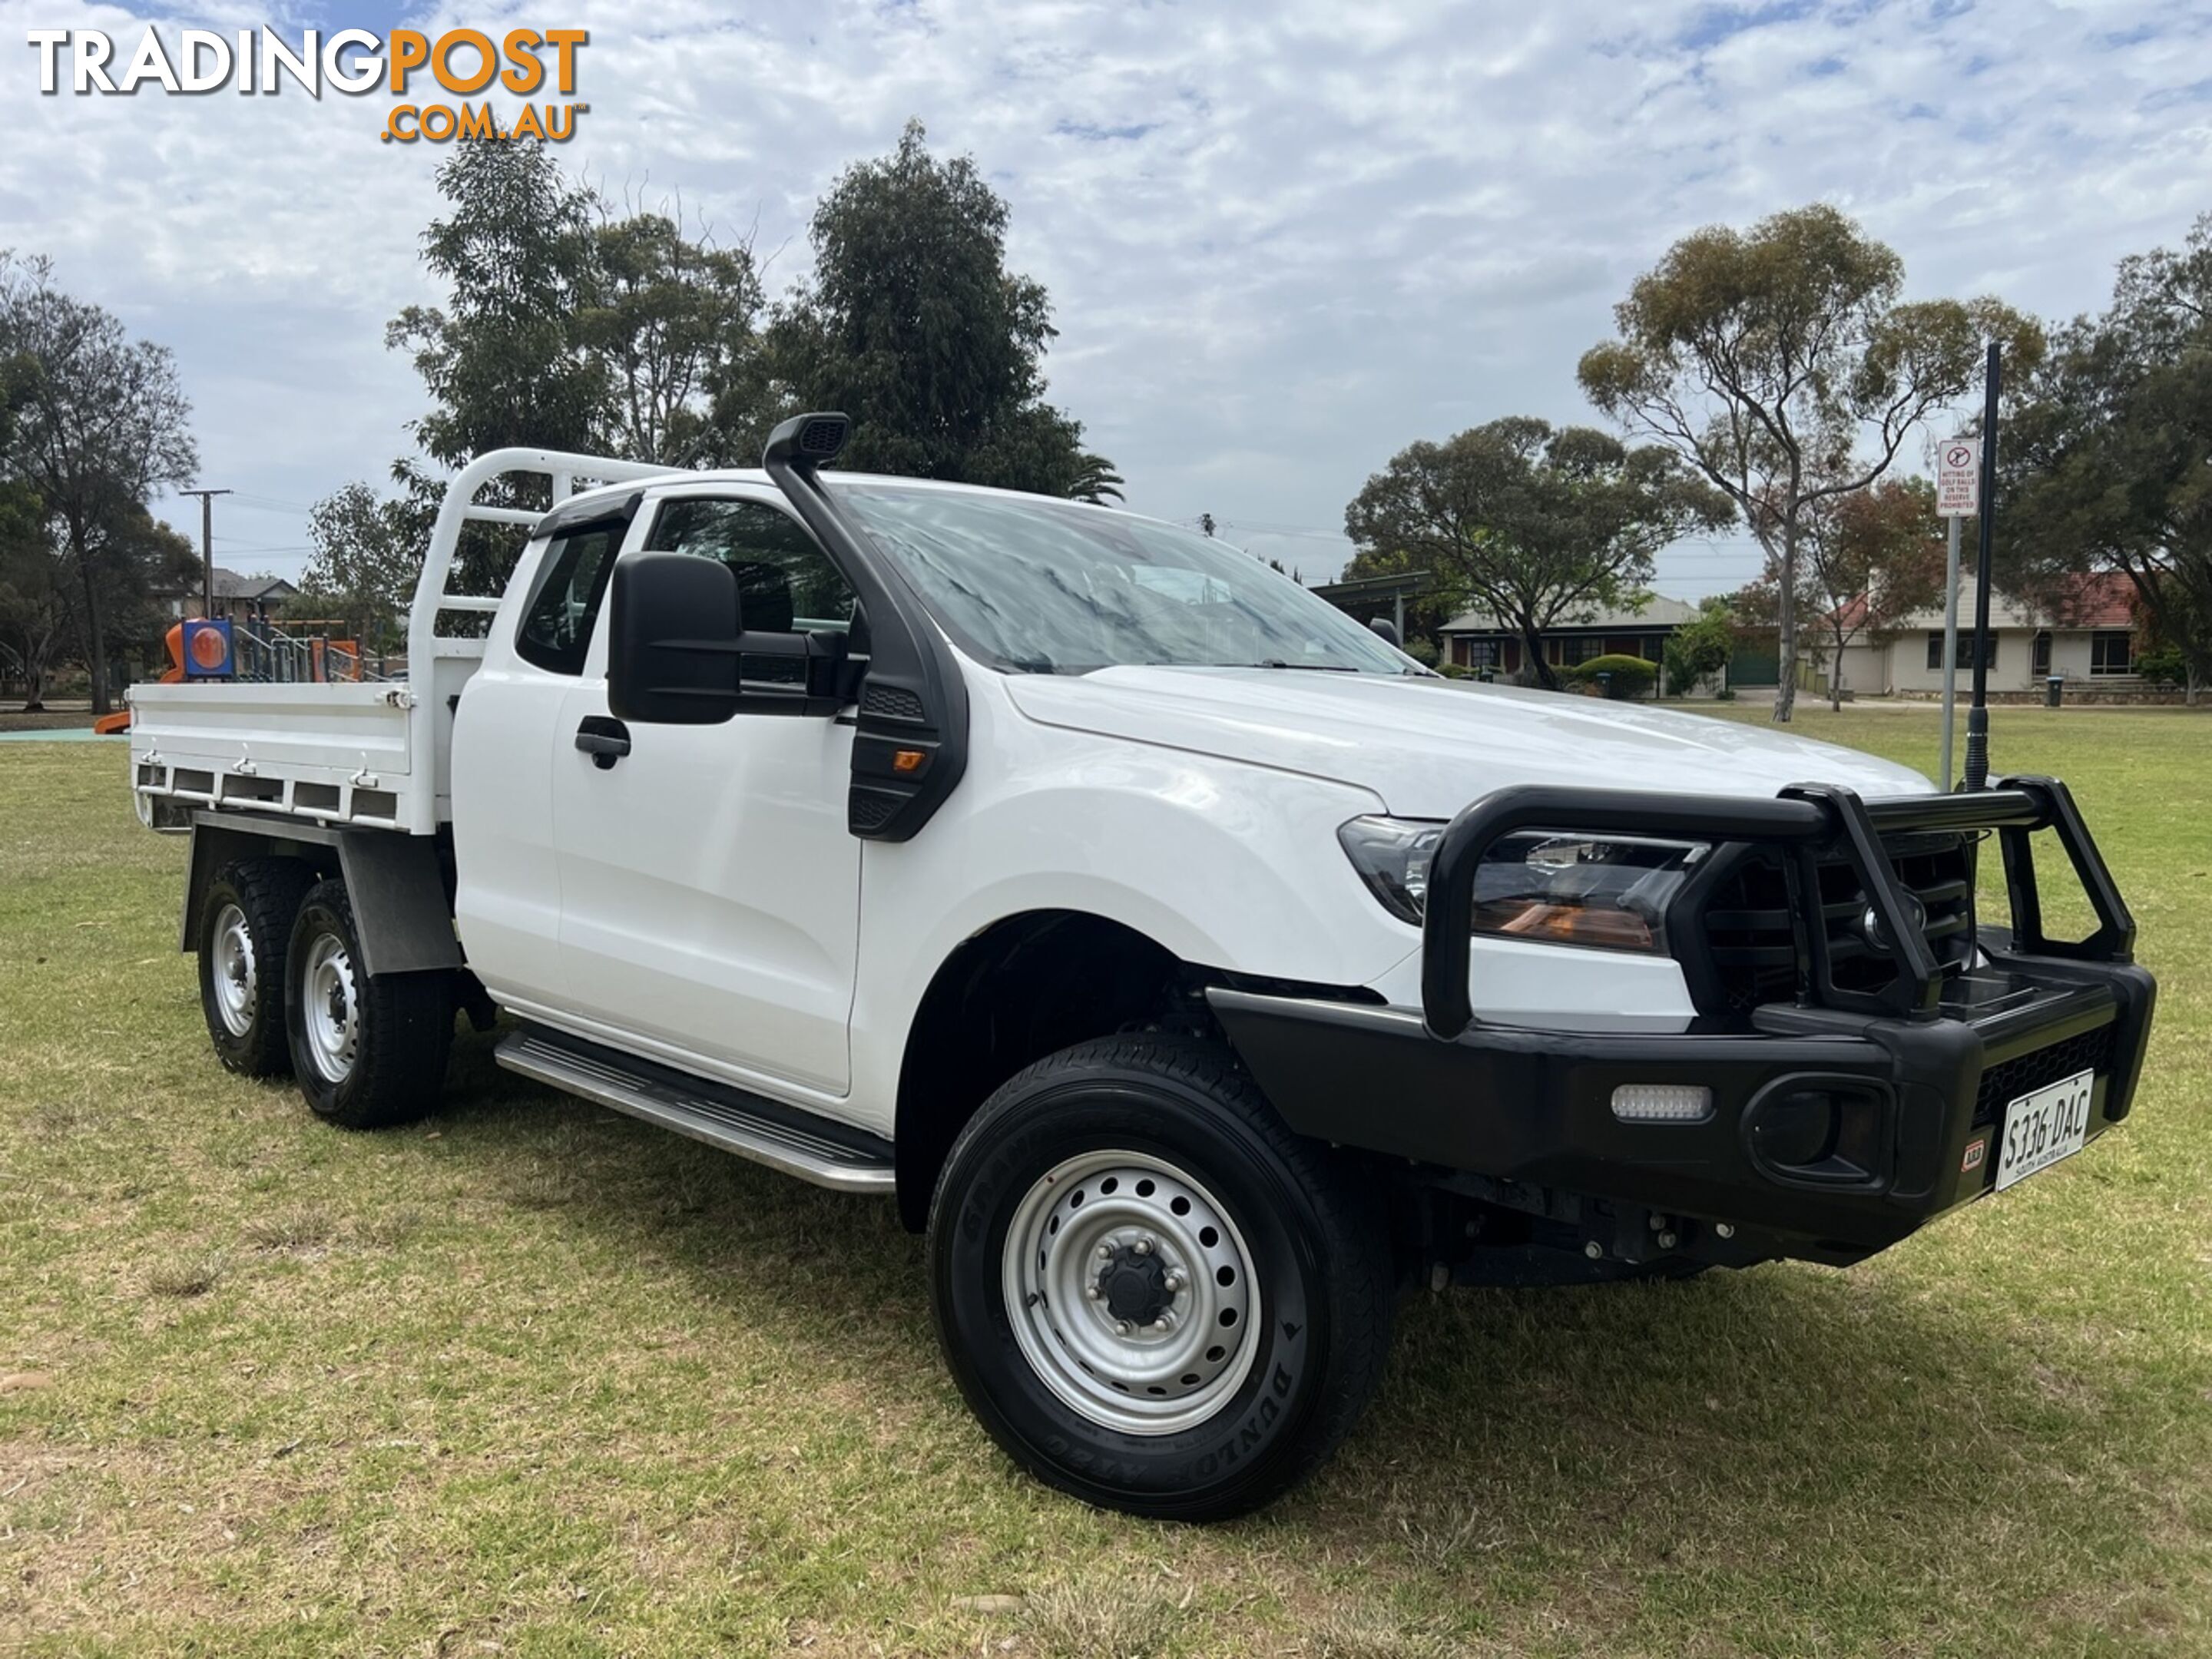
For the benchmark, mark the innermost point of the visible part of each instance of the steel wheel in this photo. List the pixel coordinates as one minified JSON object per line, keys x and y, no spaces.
{"x":330,"y":1008}
{"x":368,"y":1050}
{"x":1132,"y":1293}
{"x":235,"y":972}
{"x":241,"y":936}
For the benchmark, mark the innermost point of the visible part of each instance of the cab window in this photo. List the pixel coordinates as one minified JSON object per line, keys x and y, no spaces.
{"x":786,"y":583}
{"x":572,"y":584}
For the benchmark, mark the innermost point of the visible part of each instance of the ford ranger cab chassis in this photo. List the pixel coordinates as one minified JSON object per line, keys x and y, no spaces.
{"x":1196,"y":968}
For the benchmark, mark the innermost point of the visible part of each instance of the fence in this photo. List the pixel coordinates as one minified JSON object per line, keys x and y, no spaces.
{"x":268,"y":654}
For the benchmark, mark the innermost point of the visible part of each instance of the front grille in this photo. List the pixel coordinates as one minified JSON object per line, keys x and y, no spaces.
{"x":1748,"y":937}
{"x":2090,"y":1051}
{"x":1753,"y":949}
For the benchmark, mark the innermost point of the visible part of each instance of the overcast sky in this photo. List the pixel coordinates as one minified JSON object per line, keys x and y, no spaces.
{"x":1281,"y":241}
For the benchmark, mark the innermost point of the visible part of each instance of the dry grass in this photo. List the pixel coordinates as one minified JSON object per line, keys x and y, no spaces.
{"x":296,"y":1227}
{"x":1110,"y":1618}
{"x":194,"y":1274}
{"x":534,"y":1379}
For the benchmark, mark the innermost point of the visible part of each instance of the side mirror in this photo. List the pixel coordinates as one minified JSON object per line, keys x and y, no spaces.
{"x":672,"y":657}
{"x":1388,"y":630}
{"x":679,"y":654}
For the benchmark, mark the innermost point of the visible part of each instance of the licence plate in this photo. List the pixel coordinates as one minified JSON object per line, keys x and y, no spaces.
{"x":2044,"y":1126}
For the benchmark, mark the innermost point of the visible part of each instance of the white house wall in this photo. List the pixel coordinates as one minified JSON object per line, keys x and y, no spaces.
{"x":1900,"y":666}
{"x":1909,"y":670}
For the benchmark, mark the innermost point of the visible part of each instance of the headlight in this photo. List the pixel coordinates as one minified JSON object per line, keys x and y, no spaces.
{"x":1608,"y":892}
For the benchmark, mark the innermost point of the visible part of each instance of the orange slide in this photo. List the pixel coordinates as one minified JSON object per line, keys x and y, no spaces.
{"x":108,"y":725}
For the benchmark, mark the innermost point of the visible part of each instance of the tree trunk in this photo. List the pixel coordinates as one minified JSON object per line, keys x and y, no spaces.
{"x":1532,"y":649}
{"x":95,"y":628}
{"x":1785,"y":615}
{"x":1836,"y":677}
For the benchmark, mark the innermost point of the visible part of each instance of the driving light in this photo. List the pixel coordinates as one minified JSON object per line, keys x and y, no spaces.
{"x":1607,"y":892}
{"x":1662,"y":1102}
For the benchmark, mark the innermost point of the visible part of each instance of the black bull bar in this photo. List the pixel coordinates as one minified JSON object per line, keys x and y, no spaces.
{"x":1914,"y":1072}
{"x":1803,"y":822}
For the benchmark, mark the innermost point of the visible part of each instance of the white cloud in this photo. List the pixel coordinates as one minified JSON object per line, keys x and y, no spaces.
{"x":1282,"y":241}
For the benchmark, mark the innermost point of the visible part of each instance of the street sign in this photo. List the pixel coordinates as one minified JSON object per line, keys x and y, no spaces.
{"x":1959,"y":478}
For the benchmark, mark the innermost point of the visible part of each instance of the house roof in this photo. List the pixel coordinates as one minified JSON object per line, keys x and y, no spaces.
{"x":229,"y":585}
{"x":2105,"y":600}
{"x":1656,"y":611}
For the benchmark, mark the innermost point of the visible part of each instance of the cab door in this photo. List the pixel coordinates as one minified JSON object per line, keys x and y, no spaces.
{"x":506,"y":897}
{"x":709,"y":890}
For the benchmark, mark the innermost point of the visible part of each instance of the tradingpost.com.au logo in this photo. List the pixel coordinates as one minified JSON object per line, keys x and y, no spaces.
{"x":460,"y":62}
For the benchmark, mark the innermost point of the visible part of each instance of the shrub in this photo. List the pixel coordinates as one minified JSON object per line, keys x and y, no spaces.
{"x":1700,"y":650}
{"x":1619,"y":677}
{"x":1422,"y":651}
{"x":2164,"y":667}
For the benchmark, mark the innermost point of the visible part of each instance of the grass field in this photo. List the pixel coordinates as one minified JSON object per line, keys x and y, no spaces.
{"x":535,"y":1379}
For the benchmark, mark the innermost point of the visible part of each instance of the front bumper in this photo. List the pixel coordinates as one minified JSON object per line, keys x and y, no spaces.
{"x":1915,"y":1075}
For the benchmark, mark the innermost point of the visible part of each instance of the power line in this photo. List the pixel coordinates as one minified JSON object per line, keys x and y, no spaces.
{"x":273,"y":500}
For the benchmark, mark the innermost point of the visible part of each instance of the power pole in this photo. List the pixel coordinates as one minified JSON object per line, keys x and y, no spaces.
{"x":207,"y":547}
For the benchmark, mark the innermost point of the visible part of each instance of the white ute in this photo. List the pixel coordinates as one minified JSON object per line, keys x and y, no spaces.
{"x":1193,"y":964}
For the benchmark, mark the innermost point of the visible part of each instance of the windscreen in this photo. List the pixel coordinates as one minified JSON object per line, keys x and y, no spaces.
{"x":1039,"y":586}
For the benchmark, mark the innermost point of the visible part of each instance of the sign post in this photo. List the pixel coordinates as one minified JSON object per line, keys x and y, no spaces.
{"x":1958,"y":495}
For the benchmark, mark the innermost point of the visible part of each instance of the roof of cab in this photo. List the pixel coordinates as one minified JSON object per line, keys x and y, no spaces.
{"x":585,"y":502}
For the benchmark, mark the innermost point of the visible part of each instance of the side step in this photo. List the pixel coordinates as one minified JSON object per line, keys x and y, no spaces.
{"x":832,"y":1155}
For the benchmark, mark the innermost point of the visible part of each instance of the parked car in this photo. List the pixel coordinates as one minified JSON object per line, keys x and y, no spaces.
{"x":1196,"y":967}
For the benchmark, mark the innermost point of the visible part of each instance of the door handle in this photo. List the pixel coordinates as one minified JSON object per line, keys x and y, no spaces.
{"x":605,"y":738}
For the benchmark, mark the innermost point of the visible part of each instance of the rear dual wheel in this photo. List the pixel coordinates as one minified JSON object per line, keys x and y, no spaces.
{"x":369,"y":1050}
{"x":244,"y":932}
{"x":283,"y":990}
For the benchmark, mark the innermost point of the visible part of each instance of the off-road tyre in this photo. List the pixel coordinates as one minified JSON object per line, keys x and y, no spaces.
{"x":1318,"y":1263}
{"x":245,"y":928}
{"x":400,"y":1025}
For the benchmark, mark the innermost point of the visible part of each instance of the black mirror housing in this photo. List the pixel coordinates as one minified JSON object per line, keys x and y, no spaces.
{"x":673,"y":656}
{"x":680,"y":654}
{"x":1387,"y":631}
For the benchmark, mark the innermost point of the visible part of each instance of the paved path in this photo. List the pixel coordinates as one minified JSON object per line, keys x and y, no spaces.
{"x":60,"y":734}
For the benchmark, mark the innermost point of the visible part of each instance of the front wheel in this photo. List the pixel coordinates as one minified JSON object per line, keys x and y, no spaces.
{"x":1154,"y":1294}
{"x":369,"y":1050}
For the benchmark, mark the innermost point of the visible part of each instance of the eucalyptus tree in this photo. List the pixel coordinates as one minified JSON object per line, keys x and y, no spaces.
{"x":1783,"y":363}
